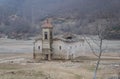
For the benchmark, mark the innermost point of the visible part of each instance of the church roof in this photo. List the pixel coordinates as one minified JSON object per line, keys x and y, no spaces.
{"x":68,"y":37}
{"x":47,"y":23}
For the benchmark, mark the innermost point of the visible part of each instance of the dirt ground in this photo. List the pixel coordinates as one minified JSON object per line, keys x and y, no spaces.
{"x":21,"y":66}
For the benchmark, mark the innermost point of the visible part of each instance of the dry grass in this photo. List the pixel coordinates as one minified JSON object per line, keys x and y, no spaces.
{"x":56,"y":69}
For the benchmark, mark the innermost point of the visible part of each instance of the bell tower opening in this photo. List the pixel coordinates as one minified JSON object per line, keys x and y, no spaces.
{"x":46,"y":35}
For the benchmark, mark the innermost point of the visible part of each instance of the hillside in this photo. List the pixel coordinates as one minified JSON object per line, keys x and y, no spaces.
{"x":76,"y":16}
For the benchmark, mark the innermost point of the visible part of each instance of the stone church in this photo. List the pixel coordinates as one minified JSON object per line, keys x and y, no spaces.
{"x":49,"y":47}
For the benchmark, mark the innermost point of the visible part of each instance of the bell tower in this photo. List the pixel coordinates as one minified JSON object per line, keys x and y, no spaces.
{"x":47,"y":39}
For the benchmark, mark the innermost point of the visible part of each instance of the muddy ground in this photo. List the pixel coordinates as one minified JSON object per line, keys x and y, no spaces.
{"x":22,"y":66}
{"x":16,"y":62}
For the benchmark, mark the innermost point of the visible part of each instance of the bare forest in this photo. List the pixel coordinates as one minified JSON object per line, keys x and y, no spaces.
{"x":92,"y":26}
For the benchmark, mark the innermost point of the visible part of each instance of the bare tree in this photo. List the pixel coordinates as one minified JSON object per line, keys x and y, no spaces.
{"x":100,"y":35}
{"x":101,"y":26}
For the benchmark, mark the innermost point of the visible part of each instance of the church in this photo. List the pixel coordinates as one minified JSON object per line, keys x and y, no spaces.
{"x":50,"y":47}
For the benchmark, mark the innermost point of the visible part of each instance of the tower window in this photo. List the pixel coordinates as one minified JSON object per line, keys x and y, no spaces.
{"x":46,"y":35}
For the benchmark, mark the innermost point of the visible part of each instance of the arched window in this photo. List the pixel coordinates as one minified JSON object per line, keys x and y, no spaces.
{"x":39,"y":47}
{"x":60,"y":47}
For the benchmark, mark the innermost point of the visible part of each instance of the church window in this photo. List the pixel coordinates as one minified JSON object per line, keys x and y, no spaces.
{"x":60,"y":47}
{"x":39,"y":47}
{"x":46,"y":35}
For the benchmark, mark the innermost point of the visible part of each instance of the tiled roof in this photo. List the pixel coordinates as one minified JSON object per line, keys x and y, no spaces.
{"x":47,"y":24}
{"x":68,"y":37}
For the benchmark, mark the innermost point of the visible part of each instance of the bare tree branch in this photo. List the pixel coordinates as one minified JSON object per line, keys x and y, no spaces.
{"x":99,"y":59}
{"x":90,"y":46}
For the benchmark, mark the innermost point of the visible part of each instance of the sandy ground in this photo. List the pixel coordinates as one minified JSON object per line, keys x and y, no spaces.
{"x":16,"y":62}
{"x":16,"y":46}
{"x":21,"y":66}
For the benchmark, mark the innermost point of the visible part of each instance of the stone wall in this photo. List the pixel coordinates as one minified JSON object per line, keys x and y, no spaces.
{"x":74,"y":49}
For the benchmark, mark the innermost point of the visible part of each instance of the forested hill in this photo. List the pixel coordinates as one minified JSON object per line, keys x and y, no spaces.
{"x":16,"y":16}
